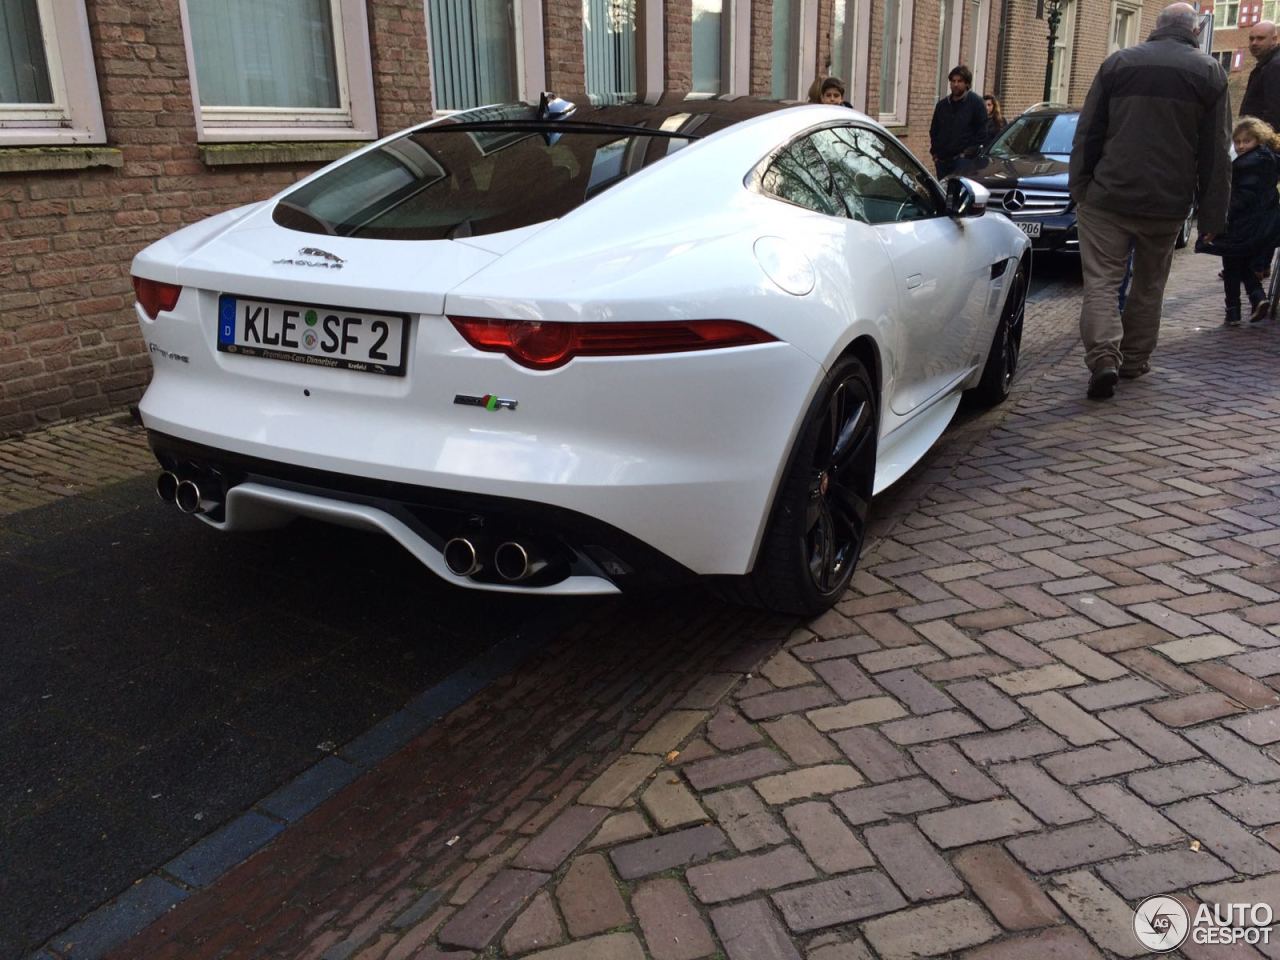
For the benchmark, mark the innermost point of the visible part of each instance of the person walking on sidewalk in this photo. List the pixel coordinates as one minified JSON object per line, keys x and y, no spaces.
{"x":959,"y":124}
{"x":1152,"y":136}
{"x":1253,"y":217}
{"x":1262,"y":94}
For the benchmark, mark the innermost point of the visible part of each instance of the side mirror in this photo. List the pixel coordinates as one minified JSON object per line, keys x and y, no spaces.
{"x":966,"y":198}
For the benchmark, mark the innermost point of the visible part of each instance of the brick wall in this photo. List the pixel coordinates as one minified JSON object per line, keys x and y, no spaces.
{"x":677,"y":44}
{"x":566,"y":59}
{"x":761,"y":48}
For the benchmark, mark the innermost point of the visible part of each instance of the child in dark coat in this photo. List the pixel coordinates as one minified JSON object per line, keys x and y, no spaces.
{"x":1253,"y":218}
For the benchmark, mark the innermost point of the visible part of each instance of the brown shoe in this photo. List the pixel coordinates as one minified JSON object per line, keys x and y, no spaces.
{"x":1133,"y":373}
{"x":1102,"y":383}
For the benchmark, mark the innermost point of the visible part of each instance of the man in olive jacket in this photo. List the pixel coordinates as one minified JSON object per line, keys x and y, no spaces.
{"x":1151,"y":139}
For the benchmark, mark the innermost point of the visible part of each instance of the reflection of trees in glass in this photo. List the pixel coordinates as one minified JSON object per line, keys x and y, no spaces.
{"x":798,"y":175}
{"x":877,"y":181}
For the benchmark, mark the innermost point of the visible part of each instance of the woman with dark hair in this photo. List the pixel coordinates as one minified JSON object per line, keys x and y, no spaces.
{"x":995,"y":117}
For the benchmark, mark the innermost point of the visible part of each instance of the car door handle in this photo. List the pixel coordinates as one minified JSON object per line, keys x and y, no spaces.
{"x":914,"y":280}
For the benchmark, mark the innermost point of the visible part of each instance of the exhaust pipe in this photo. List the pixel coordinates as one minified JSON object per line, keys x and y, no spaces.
{"x":515,"y":562}
{"x":461,"y":557}
{"x":167,"y":486}
{"x":191,"y":499}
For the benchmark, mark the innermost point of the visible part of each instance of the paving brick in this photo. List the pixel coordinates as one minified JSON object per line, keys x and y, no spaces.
{"x":830,"y":649}
{"x":1258,"y":663}
{"x":560,"y":838}
{"x":1030,"y":740}
{"x":1224,"y":837}
{"x":1096,"y":908}
{"x":912,"y":862}
{"x":672,"y":927}
{"x":1010,"y":646}
{"x":622,"y":778}
{"x":1256,"y":805}
{"x":1061,"y":943}
{"x":1148,"y":735}
{"x":745,"y":819}
{"x":727,"y":730}
{"x":795,"y":700}
{"x":1180,"y":781}
{"x":1038,"y":679}
{"x":1126,"y":637}
{"x":935,"y":726}
{"x":976,"y":822}
{"x":1116,"y":693}
{"x":670,"y":803}
{"x":708,"y":691}
{"x":913,"y":690}
{"x":842,"y":900}
{"x":489,"y":910}
{"x":1192,"y":649}
{"x":939,"y":928}
{"x":889,"y":631}
{"x":1260,"y":728}
{"x":962,"y":668}
{"x":613,"y":946}
{"x":1069,"y":847}
{"x":720,"y":771}
{"x":948,"y":638}
{"x":1254,"y":890}
{"x":988,"y":704}
{"x":537,"y":928}
{"x":1151,"y":873}
{"x":857,"y":950}
{"x":1040,"y":793}
{"x":655,"y":854}
{"x":868,"y":804}
{"x":1160,"y":670}
{"x":784,"y":670}
{"x":818,"y":781}
{"x":1132,"y":815}
{"x":1066,"y":719}
{"x":1009,"y":893}
{"x":798,"y":738}
{"x":1085,"y":659}
{"x":857,"y":713}
{"x":874,"y":755}
{"x":847,"y":679}
{"x":954,"y":773}
{"x":620,"y":828}
{"x":751,"y":931}
{"x":743,"y":876}
{"x":830,"y":844}
{"x":589,"y":897}
{"x":1239,"y":756}
{"x":880,"y":660}
{"x":1243,"y":689}
{"x":670,"y":731}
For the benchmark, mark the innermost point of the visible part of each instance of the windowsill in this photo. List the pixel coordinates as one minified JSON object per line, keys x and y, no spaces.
{"x":242,"y":154}
{"x":27,"y":159}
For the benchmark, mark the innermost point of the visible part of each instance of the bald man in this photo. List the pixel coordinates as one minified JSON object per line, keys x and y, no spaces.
{"x":1262,"y":95}
{"x":1152,"y":135}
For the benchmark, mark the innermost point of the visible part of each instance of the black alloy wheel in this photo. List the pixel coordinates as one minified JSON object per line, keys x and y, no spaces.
{"x":820,"y":516}
{"x":1006,"y":346}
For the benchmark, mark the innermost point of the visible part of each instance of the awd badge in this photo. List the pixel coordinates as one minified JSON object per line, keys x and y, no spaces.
{"x":488,"y":401}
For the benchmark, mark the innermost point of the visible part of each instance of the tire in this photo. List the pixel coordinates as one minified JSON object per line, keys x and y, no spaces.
{"x":1184,"y":235}
{"x":819,"y":519}
{"x":1273,"y":283}
{"x":1006,"y":346}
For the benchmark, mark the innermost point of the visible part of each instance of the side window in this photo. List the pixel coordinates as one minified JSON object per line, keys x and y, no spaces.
{"x":798,"y":175}
{"x":878,"y":181}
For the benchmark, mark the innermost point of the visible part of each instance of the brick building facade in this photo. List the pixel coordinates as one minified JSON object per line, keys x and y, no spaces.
{"x":133,"y":144}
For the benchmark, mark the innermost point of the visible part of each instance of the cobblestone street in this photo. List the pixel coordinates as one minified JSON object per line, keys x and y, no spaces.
{"x":1053,"y":691}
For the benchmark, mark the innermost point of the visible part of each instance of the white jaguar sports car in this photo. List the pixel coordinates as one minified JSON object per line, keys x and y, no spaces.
{"x":571,"y":349}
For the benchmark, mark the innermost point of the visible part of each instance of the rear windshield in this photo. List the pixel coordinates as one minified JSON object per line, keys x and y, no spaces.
{"x":1045,"y":135}
{"x":448,"y":181}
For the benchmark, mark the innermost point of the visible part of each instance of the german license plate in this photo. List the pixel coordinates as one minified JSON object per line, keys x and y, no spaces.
{"x":1030,"y":227}
{"x":304,"y":333}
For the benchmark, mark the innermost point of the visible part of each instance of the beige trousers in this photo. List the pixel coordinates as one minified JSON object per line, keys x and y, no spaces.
{"x":1111,"y":339}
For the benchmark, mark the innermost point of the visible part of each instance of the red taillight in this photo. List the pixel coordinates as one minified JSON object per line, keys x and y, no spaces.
{"x":544,"y":345}
{"x":155,"y":296}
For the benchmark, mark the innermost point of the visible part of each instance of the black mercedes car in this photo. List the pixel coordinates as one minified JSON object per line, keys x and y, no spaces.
{"x":1025,"y":168}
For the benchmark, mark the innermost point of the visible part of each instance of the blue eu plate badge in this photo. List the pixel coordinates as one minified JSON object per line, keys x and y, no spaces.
{"x":227,"y":320}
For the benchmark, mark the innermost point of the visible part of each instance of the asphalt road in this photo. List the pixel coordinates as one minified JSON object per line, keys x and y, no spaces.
{"x":159,"y":677}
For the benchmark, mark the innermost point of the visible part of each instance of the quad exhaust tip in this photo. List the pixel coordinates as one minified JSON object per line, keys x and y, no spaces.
{"x":167,"y":486}
{"x":190,"y":499}
{"x":514,"y":562}
{"x":461,"y":557}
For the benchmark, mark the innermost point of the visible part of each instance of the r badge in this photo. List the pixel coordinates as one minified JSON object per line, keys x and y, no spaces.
{"x":488,"y":401}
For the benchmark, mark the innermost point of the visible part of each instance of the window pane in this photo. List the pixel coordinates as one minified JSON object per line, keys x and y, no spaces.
{"x":784,"y":80}
{"x":889,"y":57}
{"x":840,"y":47}
{"x":706,"y":45}
{"x":472,"y":53}
{"x":24,"y":74}
{"x":878,"y":182}
{"x":609,"y":39}
{"x":264,"y":53}
{"x":946,"y":18}
{"x":799,"y":175}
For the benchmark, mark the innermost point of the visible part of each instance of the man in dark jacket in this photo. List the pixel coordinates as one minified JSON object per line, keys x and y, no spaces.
{"x":1151,"y":138}
{"x":959,"y":122}
{"x":1262,"y":95}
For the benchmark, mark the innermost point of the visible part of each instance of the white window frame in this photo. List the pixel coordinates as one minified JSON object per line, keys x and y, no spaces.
{"x":949,"y":58}
{"x":531,"y":61}
{"x":1134,"y":9}
{"x":902,"y":82}
{"x":649,"y":58}
{"x":1061,"y":92}
{"x":853,"y":69}
{"x":75,"y":116}
{"x":355,"y":117}
{"x":807,"y":63}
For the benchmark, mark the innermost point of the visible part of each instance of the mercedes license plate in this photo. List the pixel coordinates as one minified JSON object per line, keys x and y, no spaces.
{"x":304,"y":333}
{"x":1030,"y":227}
